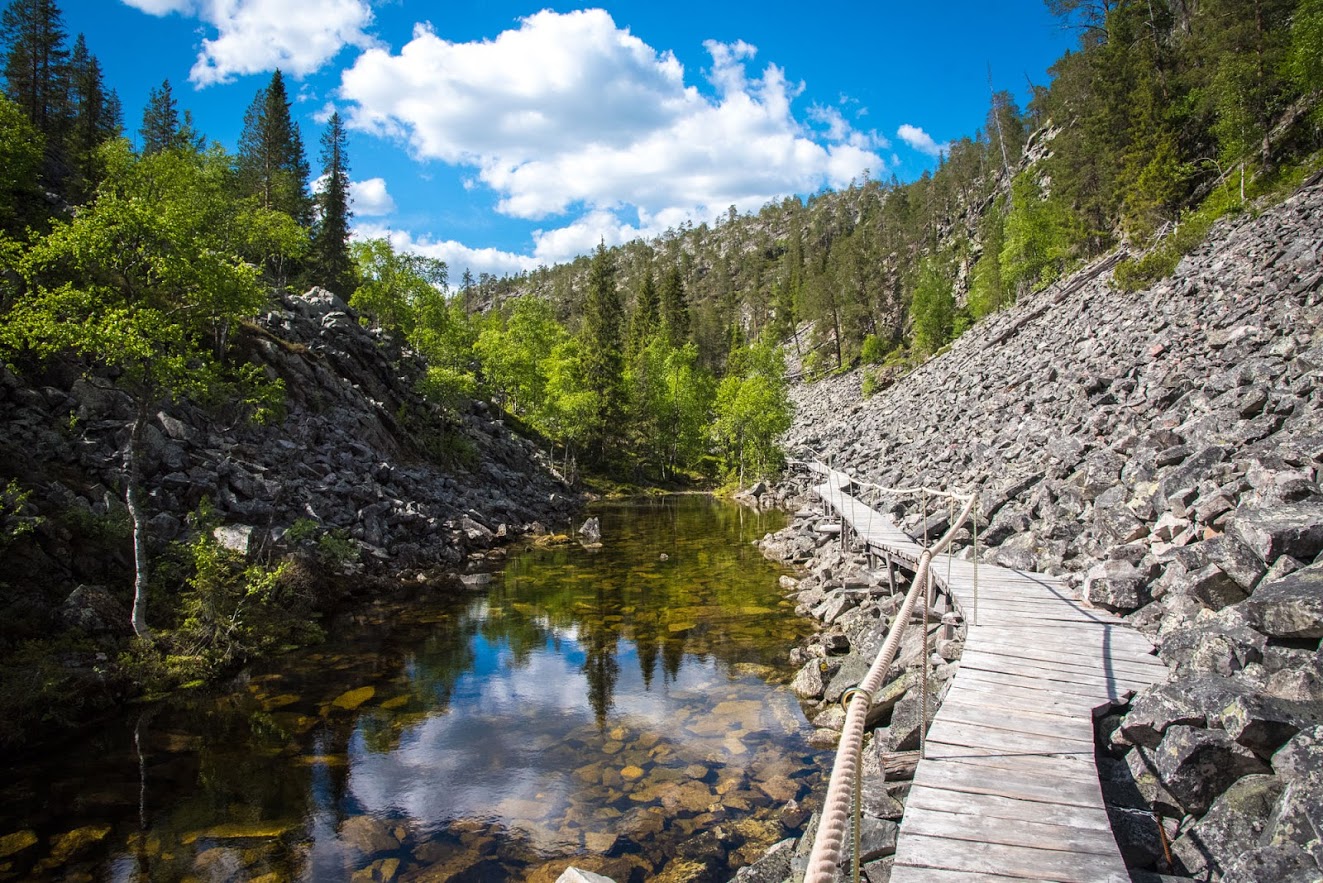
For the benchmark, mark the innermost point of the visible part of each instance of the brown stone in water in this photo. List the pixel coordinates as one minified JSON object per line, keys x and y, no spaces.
{"x":367,"y":835}
{"x":779,"y":788}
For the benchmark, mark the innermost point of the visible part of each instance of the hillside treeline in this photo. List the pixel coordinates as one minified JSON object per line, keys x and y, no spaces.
{"x":1168,"y":114}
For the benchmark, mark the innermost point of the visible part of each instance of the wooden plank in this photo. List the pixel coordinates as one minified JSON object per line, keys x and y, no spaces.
{"x":962,"y":765}
{"x":1078,"y":672}
{"x":1030,"y":698}
{"x":1035,"y":833}
{"x":916,"y":874}
{"x":1016,"y":741}
{"x":1016,"y":721}
{"x":1095,"y":694}
{"x":1018,"y":861}
{"x":1035,"y":652}
{"x":1005,"y":808}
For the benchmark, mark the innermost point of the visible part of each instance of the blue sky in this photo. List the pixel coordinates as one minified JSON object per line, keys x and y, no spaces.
{"x":498,"y":136}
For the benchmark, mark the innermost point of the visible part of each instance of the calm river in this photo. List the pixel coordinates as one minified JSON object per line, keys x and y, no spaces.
{"x":622,"y":709}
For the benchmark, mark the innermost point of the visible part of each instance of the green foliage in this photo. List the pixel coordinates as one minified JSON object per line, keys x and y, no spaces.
{"x":933,"y":307}
{"x":16,"y":519}
{"x":231,"y":610}
{"x":752,"y":411}
{"x":1133,"y":274}
{"x":512,"y":356}
{"x":875,"y":349}
{"x":1305,"y":59}
{"x":20,"y":160}
{"x":1039,"y":238}
{"x":601,"y":353}
{"x":988,"y":292}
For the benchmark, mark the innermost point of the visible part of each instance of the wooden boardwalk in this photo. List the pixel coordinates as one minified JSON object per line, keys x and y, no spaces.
{"x":1008,"y":788}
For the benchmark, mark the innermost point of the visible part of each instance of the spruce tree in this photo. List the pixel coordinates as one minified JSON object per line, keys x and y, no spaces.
{"x":35,"y":60}
{"x":272,"y":165}
{"x":94,"y":113}
{"x":674,"y":308}
{"x":160,"y":121}
{"x":602,"y":356}
{"x":332,"y":265}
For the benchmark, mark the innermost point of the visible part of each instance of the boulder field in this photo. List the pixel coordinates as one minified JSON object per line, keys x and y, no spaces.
{"x":1161,"y":451}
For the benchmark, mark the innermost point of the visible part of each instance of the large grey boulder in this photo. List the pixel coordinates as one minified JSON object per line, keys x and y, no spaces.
{"x":1189,"y":702}
{"x":1272,"y":864}
{"x":1263,"y":723}
{"x":1301,"y":756}
{"x":1196,"y":765}
{"x":1291,"y":608}
{"x":1118,"y":586}
{"x":1294,"y":529}
{"x":1236,"y":818}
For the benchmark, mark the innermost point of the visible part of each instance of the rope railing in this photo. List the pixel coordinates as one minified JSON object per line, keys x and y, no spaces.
{"x":846,"y":776}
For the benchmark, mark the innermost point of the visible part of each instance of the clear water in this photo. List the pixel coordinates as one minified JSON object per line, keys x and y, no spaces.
{"x":623,"y":709}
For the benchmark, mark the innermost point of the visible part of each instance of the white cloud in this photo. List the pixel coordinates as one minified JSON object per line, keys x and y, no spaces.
{"x":920,"y":140}
{"x":253,"y":36}
{"x":162,"y":7}
{"x":571,"y":115}
{"x":457,"y":255}
{"x":370,"y":198}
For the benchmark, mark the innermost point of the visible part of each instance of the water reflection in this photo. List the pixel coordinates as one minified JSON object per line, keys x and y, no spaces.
{"x":599,"y":705}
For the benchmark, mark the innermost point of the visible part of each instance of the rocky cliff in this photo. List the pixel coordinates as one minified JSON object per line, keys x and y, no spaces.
{"x":1161,"y":450}
{"x":390,"y":484}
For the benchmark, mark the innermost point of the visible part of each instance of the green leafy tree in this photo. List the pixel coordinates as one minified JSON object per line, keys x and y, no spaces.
{"x":1038,"y":238}
{"x":21,"y":154}
{"x":140,"y":284}
{"x":752,"y":411}
{"x":933,"y":308}
{"x":571,"y":403}
{"x":513,"y":357}
{"x":331,"y":262}
{"x":272,"y":166}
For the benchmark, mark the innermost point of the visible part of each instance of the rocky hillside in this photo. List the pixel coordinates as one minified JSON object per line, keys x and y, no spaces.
{"x":358,"y":472}
{"x":1162,"y":450}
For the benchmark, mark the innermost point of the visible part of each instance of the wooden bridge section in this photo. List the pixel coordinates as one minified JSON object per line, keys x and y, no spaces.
{"x":1008,"y":788}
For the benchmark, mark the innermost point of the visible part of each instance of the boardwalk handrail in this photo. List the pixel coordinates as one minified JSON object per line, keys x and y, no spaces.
{"x":829,"y":842}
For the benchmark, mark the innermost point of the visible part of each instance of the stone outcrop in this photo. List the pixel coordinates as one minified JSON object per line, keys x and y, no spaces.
{"x":1161,"y":452}
{"x":355,"y":456}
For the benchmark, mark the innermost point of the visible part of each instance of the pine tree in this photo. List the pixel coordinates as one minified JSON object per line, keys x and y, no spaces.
{"x":272,"y":165}
{"x":35,"y":60}
{"x":332,"y":264}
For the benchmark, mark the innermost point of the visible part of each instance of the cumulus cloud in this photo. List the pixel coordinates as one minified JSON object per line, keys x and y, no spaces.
{"x":253,"y":36}
{"x":458,"y":256}
{"x":370,"y":198}
{"x":570,"y":114}
{"x":920,"y":140}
